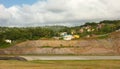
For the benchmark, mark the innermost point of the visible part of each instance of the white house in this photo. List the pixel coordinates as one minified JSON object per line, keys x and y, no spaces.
{"x":88,"y":30}
{"x":8,"y":41}
{"x":118,"y":30}
{"x":68,"y":37}
{"x":63,"y":33}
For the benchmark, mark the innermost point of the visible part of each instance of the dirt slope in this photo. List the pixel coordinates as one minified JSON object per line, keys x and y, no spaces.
{"x":89,"y":46}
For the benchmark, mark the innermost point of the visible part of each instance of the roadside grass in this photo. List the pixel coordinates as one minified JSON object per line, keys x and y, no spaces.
{"x":83,"y":64}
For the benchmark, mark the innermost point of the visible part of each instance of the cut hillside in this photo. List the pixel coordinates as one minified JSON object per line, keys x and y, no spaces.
{"x":115,"y":34}
{"x":109,"y":46}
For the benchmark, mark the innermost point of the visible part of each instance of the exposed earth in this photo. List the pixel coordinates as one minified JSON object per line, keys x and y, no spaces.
{"x":109,"y":46}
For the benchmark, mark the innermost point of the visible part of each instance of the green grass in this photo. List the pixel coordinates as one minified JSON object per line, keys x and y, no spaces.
{"x":95,"y":64}
{"x":103,"y":37}
{"x":5,"y":45}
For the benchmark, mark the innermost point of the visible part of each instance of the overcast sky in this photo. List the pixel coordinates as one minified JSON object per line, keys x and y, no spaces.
{"x":56,"y":12}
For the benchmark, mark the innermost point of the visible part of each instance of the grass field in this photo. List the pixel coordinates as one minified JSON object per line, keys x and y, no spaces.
{"x":96,"y":64}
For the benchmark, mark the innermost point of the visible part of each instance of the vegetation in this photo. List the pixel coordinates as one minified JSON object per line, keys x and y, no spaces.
{"x":85,"y":64}
{"x":33,"y":33}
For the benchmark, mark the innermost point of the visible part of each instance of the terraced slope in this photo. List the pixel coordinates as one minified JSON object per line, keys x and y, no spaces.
{"x":110,"y":46}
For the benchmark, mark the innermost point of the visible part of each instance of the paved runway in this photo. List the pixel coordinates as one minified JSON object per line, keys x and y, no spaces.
{"x":29,"y":58}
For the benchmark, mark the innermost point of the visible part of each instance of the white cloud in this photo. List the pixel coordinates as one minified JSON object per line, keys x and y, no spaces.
{"x":62,"y":12}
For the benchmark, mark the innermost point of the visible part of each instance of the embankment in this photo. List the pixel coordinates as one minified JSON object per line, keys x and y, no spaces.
{"x":110,"y":46}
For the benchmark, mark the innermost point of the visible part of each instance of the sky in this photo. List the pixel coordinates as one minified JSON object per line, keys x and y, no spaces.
{"x":28,"y":13}
{"x":9,"y":3}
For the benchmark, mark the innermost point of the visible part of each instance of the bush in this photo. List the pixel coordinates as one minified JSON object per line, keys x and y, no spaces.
{"x":3,"y":44}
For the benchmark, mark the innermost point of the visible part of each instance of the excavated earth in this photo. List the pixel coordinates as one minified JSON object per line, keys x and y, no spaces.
{"x":109,"y":46}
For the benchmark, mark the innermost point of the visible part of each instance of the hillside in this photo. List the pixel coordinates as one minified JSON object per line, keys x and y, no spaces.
{"x":109,"y":46}
{"x":90,"y":38}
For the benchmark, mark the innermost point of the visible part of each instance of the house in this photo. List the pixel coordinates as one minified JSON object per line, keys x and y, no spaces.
{"x":8,"y":41}
{"x":100,"y":26}
{"x":63,"y":33}
{"x":81,"y":30}
{"x":88,"y":30}
{"x":118,"y":30}
{"x":73,"y":32}
{"x":88,"y":27}
{"x":68,"y":37}
{"x":65,"y":36}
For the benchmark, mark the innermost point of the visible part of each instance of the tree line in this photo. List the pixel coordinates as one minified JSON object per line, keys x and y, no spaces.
{"x":34,"y":33}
